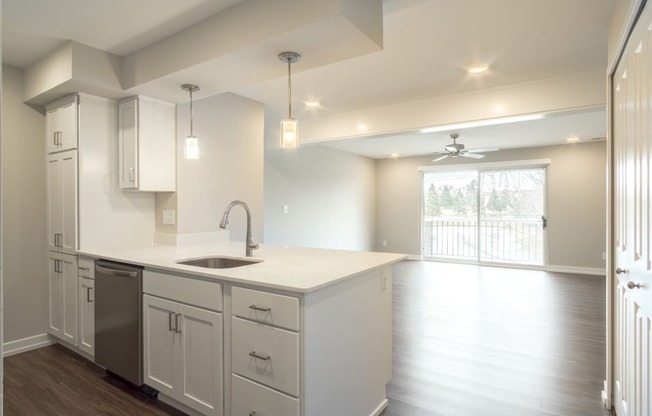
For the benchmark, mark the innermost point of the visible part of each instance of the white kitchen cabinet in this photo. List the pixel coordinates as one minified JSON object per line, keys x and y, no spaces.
{"x":63,"y":296}
{"x":62,"y":201}
{"x":147,"y":146}
{"x":86,"y":306}
{"x":183,"y":344}
{"x":61,"y":125}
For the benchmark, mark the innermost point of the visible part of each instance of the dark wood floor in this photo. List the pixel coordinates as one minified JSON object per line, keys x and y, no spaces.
{"x":468,"y":341}
{"x":54,"y":381}
{"x":487,"y":341}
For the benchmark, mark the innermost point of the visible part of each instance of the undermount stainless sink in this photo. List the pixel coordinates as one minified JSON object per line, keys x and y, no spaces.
{"x":218,"y":262}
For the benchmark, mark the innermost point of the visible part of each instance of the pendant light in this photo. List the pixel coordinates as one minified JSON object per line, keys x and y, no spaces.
{"x":289,"y":126}
{"x":192,"y":143}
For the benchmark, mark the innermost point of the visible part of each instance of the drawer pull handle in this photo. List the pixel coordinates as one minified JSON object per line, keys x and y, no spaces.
{"x":260,"y":308}
{"x":89,"y":290}
{"x":84,"y":268}
{"x":260,"y":357}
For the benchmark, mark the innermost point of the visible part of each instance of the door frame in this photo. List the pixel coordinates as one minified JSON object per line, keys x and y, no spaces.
{"x":629,"y":21}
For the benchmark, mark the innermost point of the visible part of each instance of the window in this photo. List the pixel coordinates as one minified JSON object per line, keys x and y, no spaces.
{"x":495,"y":215}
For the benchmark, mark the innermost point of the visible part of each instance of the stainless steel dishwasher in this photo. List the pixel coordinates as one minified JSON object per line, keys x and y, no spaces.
{"x":118,"y":319}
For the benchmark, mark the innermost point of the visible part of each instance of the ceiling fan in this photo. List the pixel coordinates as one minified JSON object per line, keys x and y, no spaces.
{"x":457,"y":149}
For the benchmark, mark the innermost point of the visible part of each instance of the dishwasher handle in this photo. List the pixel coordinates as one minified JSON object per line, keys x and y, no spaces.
{"x":114,"y":272}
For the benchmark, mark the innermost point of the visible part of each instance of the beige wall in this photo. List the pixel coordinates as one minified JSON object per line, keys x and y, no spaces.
{"x":24,"y":208}
{"x":330,"y":197}
{"x":576,"y":204}
{"x":230,"y":130}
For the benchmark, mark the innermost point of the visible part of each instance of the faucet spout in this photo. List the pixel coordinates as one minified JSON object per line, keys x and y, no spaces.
{"x":250,"y":243}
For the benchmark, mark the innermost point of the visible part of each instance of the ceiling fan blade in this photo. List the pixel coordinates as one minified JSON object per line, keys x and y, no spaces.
{"x":440,"y":158}
{"x":484,"y":150}
{"x":472,"y":155}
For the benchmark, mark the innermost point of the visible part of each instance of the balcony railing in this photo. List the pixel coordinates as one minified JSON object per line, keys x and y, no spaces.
{"x":499,"y":240}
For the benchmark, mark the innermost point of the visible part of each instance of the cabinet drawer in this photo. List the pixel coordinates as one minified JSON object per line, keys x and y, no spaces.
{"x":195,"y":292}
{"x":265,"y":354}
{"x":86,"y":268}
{"x":248,"y":397}
{"x":269,"y":308}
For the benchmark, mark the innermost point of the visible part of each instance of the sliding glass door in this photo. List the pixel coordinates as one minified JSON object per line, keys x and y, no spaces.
{"x":493,"y":216}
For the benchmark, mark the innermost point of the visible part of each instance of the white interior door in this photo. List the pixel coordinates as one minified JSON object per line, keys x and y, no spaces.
{"x":632,"y":291}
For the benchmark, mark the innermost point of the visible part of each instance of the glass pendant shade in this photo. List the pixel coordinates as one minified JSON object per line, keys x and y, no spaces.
{"x":192,"y":148}
{"x":289,"y":133}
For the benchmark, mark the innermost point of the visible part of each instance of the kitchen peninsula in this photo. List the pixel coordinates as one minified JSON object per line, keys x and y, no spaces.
{"x":300,"y":331}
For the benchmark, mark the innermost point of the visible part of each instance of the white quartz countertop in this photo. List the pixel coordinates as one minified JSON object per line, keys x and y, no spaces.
{"x":295,"y":269}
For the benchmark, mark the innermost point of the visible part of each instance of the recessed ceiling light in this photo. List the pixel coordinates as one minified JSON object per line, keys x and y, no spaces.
{"x":312,"y":104}
{"x":478,"y":69}
{"x":573,"y":139}
{"x":394,"y":155}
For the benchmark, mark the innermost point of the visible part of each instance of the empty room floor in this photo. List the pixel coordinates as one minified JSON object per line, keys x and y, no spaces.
{"x":487,"y":341}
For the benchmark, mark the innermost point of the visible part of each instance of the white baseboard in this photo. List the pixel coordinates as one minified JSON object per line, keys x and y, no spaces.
{"x":415,"y":257}
{"x":576,"y":270}
{"x":380,"y":408}
{"x":191,"y":238}
{"x":26,"y":344}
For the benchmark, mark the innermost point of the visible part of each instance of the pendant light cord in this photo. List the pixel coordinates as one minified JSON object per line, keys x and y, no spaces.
{"x":289,"y":88}
{"x":191,"y":130}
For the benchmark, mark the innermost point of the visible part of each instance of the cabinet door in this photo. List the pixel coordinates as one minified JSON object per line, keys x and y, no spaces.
{"x":63,"y":297}
{"x":53,"y":126}
{"x":55,"y":201}
{"x":70,"y":286}
{"x":87,"y":315}
{"x":56,"y":294}
{"x":62,"y":201}
{"x":200,"y":378}
{"x":160,"y":344}
{"x":128,"y":143}
{"x":69,"y":201}
{"x":68,"y":138}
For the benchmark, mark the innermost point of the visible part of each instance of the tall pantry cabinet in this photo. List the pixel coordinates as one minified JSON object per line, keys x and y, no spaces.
{"x":86,"y":208}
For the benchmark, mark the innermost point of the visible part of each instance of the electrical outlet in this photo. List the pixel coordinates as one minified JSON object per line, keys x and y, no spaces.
{"x":604,"y":256}
{"x":286,"y":209}
{"x":384,"y":280}
{"x":168,"y":216}
{"x":384,"y":243}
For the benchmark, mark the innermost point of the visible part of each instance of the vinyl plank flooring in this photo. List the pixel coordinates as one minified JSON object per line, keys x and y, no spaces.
{"x":486,"y":341}
{"x":54,"y":381}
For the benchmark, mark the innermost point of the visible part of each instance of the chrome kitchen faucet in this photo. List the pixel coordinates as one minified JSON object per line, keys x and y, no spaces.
{"x":250,"y":243}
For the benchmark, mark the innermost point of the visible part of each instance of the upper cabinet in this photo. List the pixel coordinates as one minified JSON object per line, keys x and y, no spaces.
{"x":147,"y":145}
{"x":61,"y":125}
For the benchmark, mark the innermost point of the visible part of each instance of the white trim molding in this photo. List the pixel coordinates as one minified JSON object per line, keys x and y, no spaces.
{"x":532,"y":163}
{"x":26,"y":344}
{"x":577,"y":270}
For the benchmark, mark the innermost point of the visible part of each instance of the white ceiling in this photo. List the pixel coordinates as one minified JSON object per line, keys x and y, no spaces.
{"x":427,"y":46}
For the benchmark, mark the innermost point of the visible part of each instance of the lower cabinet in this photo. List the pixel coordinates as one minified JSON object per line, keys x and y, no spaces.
{"x":63,"y":296}
{"x":87,"y":315}
{"x":183,"y":353}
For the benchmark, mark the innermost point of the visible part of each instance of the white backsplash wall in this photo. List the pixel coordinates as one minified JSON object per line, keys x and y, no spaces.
{"x":330,"y":197}
{"x":230,"y":166}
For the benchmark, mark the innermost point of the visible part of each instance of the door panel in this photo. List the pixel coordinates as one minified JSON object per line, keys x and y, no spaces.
{"x":159,"y":343}
{"x":201,"y":355}
{"x":632,"y":154}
